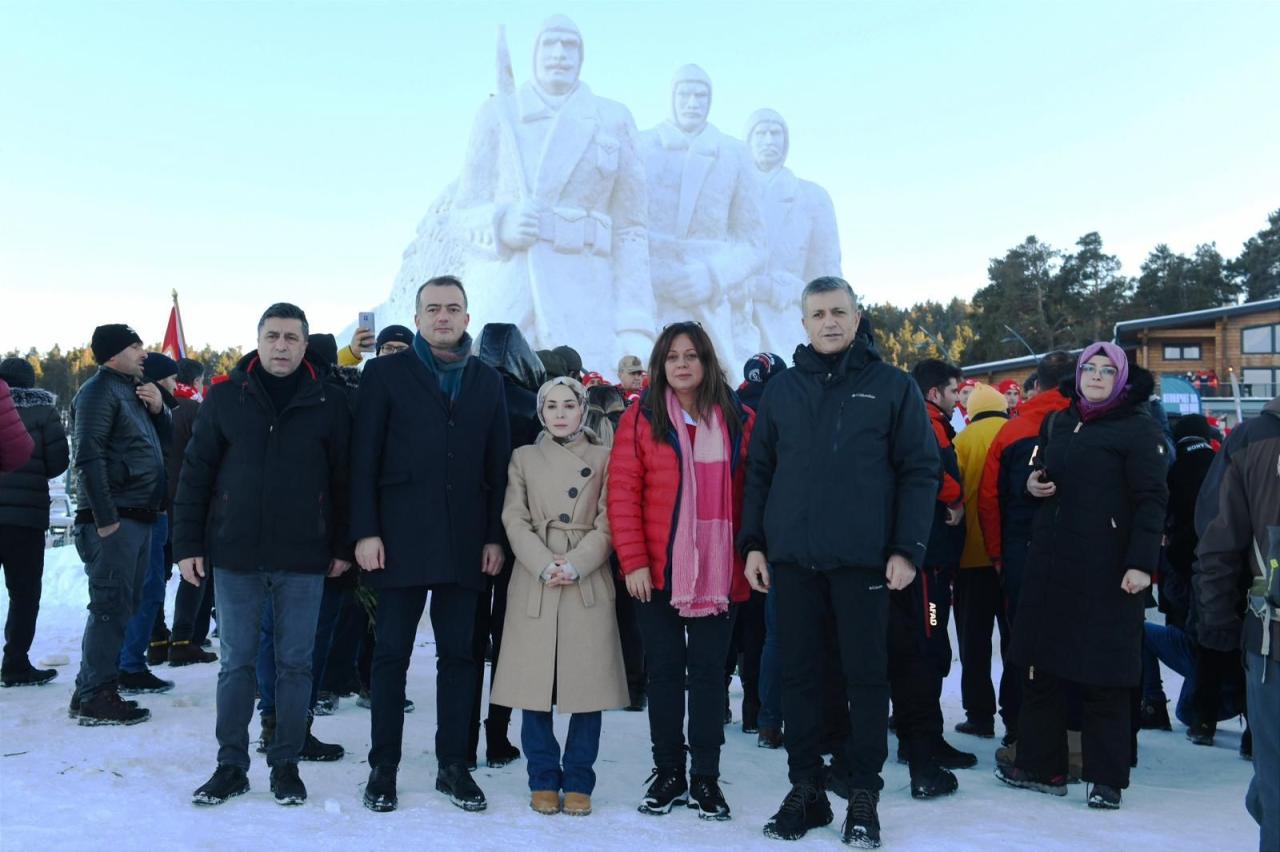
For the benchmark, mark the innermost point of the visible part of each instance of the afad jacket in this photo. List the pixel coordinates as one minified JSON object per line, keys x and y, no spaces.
{"x":844,"y":466}
{"x":645,"y":489}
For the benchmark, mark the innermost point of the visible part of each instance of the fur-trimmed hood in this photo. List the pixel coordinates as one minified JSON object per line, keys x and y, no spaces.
{"x":32,"y":397}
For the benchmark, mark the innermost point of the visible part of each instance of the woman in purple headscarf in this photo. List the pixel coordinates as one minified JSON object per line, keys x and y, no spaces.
{"x":1099,"y":470}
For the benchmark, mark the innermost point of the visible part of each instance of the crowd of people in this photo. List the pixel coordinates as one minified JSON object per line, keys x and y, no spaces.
{"x":634,"y":545}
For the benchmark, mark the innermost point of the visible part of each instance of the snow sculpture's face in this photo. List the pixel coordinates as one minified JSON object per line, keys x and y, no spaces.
{"x":768,"y":145}
{"x":692,"y":104}
{"x":558,"y":61}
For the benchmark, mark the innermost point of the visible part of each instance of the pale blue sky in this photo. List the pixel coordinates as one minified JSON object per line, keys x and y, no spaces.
{"x":260,"y":151}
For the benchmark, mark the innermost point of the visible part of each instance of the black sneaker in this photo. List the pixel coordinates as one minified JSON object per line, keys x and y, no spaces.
{"x":1154,"y":716}
{"x":1102,"y":797}
{"x":805,"y":807}
{"x":316,"y":751}
{"x":668,"y":789}
{"x":1201,"y":734}
{"x":380,"y":790}
{"x":326,"y":704}
{"x":1015,"y":777}
{"x":950,"y":757}
{"x":862,"y":822}
{"x":30,"y":676}
{"x":705,"y":797}
{"x":138,"y":683}
{"x":286,"y":786}
{"x":186,"y":654}
{"x":498,"y":750}
{"x":227,"y":782}
{"x":933,"y":782}
{"x":106,"y":707}
{"x":268,"y":732}
{"x":769,"y":738}
{"x":73,"y":710}
{"x":985,"y":728}
{"x":456,"y":783}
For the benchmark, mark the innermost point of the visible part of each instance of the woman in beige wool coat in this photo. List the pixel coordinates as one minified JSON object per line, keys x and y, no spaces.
{"x":560,"y":641}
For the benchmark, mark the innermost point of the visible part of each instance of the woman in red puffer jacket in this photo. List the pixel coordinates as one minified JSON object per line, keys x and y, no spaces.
{"x":675,"y":501}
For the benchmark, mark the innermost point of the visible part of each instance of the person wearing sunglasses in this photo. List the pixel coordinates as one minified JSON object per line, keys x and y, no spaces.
{"x":1099,"y":474}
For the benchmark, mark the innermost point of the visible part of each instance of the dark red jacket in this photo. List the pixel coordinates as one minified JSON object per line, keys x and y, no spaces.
{"x":644,"y":487}
{"x":15,"y":442}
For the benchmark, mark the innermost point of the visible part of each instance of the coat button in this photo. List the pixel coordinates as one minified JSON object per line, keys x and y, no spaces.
{"x":586,"y":471}
{"x":451,"y":454}
{"x":450,"y":424}
{"x":449,"y":487}
{"x":564,"y":519}
{"x":573,"y":492}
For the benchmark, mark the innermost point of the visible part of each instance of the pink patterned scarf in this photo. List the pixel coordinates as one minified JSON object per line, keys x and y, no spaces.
{"x":702,"y":547}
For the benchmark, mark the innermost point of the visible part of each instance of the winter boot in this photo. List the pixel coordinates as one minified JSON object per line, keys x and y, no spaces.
{"x":1201,"y":734}
{"x":27,"y":676}
{"x":668,"y":789}
{"x":932,"y":781}
{"x":268,"y":732}
{"x":498,"y":750}
{"x":227,"y":782}
{"x":705,"y":797}
{"x":456,"y":782}
{"x":576,"y":804}
{"x":158,"y":652}
{"x":769,"y":738}
{"x":138,"y":683}
{"x":805,"y":807}
{"x":326,"y":704}
{"x":1154,"y":716}
{"x":862,"y":823}
{"x":1103,"y":797}
{"x":1015,"y":777}
{"x":106,"y":707}
{"x":187,"y":653}
{"x":380,"y":790}
{"x":73,"y":710}
{"x":316,"y":751}
{"x":949,"y":757}
{"x":985,"y":728}
{"x":545,"y":802}
{"x":286,"y":785}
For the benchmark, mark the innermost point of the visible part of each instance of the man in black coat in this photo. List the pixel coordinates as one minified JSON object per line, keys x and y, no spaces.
{"x":120,"y":489}
{"x":263,"y":498}
{"x":24,"y":517}
{"x":429,"y":473}
{"x":840,"y":422}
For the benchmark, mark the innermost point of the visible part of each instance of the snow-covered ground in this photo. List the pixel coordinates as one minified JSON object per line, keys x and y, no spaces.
{"x":67,"y":787}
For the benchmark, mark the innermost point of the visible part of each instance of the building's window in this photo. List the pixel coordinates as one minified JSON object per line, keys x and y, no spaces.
{"x":1182,"y":353}
{"x":1260,"y":339}
{"x":1259,"y":382}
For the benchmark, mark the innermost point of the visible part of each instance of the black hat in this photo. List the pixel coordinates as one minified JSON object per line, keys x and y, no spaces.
{"x":158,"y":366}
{"x":189,"y":371}
{"x":572,"y":360}
{"x":18,"y":372}
{"x":394,"y":334}
{"x":110,"y":340}
{"x":762,"y":367}
{"x":323,"y":347}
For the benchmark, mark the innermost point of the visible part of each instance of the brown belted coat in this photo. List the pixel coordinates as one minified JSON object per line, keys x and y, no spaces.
{"x":561,"y":641}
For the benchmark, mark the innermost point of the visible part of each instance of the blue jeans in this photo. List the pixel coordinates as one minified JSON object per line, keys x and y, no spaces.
{"x":770,"y":669}
{"x":326,"y":623}
{"x":1263,"y":798}
{"x":542,"y":751}
{"x":1172,"y":646}
{"x":137,"y":635}
{"x":295,"y":599}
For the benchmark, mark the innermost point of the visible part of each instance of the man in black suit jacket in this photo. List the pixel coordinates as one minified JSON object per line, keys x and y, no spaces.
{"x":428,"y":476}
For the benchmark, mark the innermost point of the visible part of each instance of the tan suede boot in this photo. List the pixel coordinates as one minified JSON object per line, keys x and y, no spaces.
{"x":545,"y":801}
{"x":577,"y":804}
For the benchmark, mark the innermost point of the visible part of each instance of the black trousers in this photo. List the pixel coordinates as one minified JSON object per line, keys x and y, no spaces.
{"x":491,"y":614}
{"x":22,"y":557}
{"x":677,"y":648}
{"x":192,"y":607}
{"x":1012,"y":677}
{"x":915,"y":672}
{"x":453,"y":622}
{"x":1105,"y":732}
{"x":629,"y":634}
{"x":858,"y":601}
{"x":747,"y":646}
{"x":979,"y":610}
{"x":340,"y":668}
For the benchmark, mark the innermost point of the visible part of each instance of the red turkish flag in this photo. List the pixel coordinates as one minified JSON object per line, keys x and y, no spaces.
{"x":175,"y":342}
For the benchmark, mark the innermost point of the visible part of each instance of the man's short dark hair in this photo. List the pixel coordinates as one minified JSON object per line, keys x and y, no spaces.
{"x":932,"y":373}
{"x":1030,"y":384}
{"x":1054,"y":369}
{"x":190,"y":371}
{"x":827,"y":284}
{"x":284,"y":310}
{"x":440,"y":281}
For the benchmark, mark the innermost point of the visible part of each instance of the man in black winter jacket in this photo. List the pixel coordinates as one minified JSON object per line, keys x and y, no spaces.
{"x":24,"y":517}
{"x":841,"y":481}
{"x":120,"y":489}
{"x":263,"y":498}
